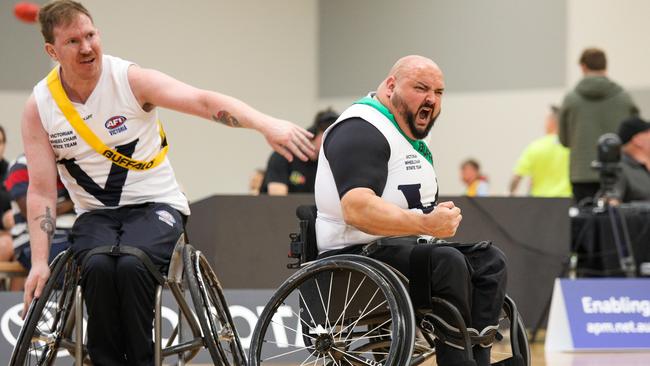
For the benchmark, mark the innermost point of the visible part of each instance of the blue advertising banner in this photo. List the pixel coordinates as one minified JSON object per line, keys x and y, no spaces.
{"x":598,"y":314}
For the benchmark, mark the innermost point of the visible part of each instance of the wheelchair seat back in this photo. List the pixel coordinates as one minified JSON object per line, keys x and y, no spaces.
{"x":303,"y":245}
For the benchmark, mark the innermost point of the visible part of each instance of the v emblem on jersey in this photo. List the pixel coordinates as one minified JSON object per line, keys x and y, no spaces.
{"x":112,"y":192}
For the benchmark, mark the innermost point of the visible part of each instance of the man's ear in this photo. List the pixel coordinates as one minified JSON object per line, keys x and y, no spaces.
{"x":49,"y":49}
{"x":390,"y":85}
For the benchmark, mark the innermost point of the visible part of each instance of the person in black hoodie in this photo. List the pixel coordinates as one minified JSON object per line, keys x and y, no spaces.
{"x":594,"y":107}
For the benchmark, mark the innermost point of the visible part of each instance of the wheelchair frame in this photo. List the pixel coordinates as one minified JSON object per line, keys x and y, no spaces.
{"x":64,"y":323}
{"x":302,"y":248}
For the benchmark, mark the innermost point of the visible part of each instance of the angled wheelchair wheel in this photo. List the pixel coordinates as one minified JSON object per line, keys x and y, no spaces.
{"x":219,"y":333}
{"x":41,"y":334}
{"x":515,"y":339}
{"x":335,"y":312}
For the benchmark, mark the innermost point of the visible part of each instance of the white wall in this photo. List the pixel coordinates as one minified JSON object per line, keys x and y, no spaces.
{"x":11,"y":105}
{"x":619,"y":27}
{"x":265,"y":52}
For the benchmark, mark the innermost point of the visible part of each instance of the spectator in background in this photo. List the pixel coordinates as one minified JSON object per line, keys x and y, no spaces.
{"x":476,"y":183}
{"x":4,"y":165}
{"x":546,"y":162}
{"x":284,"y":177}
{"x":16,"y":184}
{"x":634,"y":181}
{"x":596,"y":106}
{"x":255,"y":183}
{"x":6,"y":246}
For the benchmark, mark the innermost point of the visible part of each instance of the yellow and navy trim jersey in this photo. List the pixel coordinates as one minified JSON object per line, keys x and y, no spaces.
{"x":113,"y":114}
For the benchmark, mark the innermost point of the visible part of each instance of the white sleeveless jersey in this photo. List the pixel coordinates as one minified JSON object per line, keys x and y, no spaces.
{"x":114,"y":115}
{"x":411,"y":183}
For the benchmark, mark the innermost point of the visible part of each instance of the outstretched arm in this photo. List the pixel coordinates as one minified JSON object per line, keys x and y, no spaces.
{"x":41,"y":198}
{"x":153,"y":88}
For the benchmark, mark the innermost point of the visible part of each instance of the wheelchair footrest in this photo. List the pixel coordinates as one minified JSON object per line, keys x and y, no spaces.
{"x":453,"y":336}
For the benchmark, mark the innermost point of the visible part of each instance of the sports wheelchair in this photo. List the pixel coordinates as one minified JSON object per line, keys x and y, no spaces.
{"x":354,"y":310}
{"x":54,"y":321}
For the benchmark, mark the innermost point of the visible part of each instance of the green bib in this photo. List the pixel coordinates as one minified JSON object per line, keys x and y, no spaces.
{"x":418,"y":145}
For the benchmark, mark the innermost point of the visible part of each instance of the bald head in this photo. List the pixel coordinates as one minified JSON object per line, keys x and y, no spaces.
{"x":412,"y":92}
{"x":408,"y":64}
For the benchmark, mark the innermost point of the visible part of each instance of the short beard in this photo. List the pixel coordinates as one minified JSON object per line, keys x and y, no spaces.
{"x":409,"y":116}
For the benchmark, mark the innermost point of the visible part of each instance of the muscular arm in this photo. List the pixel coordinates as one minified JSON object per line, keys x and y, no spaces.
{"x":358,"y":155}
{"x":41,"y":197}
{"x":153,"y":88}
{"x":363,"y":209}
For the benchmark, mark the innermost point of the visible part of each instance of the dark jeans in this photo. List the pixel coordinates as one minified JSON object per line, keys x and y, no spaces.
{"x":119,"y":291}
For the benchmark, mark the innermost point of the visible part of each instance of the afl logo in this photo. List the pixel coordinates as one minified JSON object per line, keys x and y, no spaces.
{"x":115,"y":122}
{"x":115,"y":125}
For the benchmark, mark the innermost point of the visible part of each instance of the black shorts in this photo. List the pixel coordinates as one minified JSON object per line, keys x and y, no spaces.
{"x":152,"y":227}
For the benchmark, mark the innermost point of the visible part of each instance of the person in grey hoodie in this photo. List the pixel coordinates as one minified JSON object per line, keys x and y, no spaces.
{"x":594,"y":107}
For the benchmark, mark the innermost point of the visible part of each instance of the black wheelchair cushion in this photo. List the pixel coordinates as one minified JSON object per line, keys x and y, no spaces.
{"x":308,"y":213}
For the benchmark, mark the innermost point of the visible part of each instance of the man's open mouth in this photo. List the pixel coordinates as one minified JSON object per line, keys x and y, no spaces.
{"x":425,"y":113}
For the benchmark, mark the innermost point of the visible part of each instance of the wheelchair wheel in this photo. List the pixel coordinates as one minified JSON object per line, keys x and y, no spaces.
{"x":398,"y":284}
{"x":335,"y":312}
{"x":515,"y":342}
{"x":219,"y":333}
{"x":41,"y":334}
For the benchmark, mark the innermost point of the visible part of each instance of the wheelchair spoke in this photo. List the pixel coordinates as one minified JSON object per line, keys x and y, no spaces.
{"x":370,"y":331}
{"x":286,"y":344}
{"x":293,"y":330}
{"x":382,"y":336}
{"x":320,"y":294}
{"x":307,"y":308}
{"x":364,"y":352}
{"x":299,"y":318}
{"x":288,"y":353}
{"x":307,"y":359}
{"x":347,"y":303}
{"x":329,"y":294}
{"x":363,"y":312}
{"x":365,"y":362}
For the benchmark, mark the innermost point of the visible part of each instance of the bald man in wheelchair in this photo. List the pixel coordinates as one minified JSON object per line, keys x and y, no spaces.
{"x":376,"y":193}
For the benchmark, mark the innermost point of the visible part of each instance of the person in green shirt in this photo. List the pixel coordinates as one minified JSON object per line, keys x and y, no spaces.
{"x":546,"y":162}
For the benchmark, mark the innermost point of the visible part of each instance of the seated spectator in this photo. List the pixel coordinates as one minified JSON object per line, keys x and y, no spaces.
{"x":476,"y":183}
{"x":546,"y":162}
{"x":255,"y":182}
{"x":283,"y":177}
{"x":16,"y":184}
{"x":6,"y":246}
{"x":634,"y":180}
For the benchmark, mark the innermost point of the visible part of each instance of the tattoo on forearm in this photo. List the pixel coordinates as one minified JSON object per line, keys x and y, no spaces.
{"x":47,"y":222}
{"x":226,"y":118}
